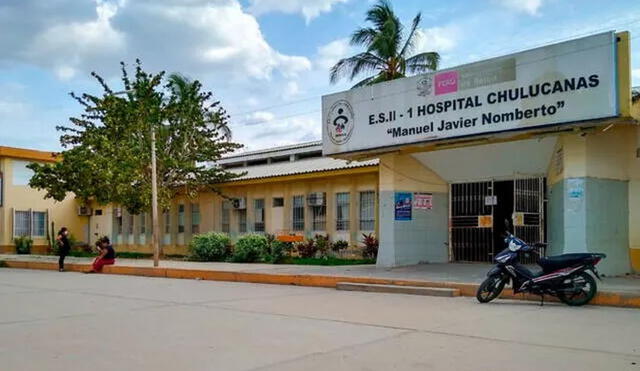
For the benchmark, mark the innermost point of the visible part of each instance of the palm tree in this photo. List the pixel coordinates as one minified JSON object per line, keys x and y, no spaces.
{"x":387,"y":49}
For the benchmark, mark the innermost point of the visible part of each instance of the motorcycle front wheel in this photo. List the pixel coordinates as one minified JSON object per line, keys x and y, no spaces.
{"x":490,"y":288}
{"x":579,"y":289}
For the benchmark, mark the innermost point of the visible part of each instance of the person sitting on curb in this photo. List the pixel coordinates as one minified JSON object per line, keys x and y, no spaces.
{"x":107,"y":255}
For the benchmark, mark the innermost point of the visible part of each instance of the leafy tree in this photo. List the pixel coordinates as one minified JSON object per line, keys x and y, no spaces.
{"x":387,"y":49}
{"x":107,"y":154}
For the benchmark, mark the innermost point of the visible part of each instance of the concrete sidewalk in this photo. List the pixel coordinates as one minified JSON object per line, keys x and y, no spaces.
{"x":617,"y":291}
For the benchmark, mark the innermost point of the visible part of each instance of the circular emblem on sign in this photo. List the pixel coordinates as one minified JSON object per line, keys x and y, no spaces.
{"x":424,"y":86}
{"x":340,"y":122}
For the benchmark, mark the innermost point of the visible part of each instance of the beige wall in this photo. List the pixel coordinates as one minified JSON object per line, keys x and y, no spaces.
{"x":277,"y":220}
{"x":22,"y":197}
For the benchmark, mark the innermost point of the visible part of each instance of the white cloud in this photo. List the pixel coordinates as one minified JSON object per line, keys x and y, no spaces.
{"x":273,"y":132}
{"x":530,"y":7}
{"x":258,"y":117}
{"x":193,"y":36}
{"x":438,"y":39}
{"x":635,"y":77}
{"x":308,"y":8}
{"x":291,"y":90}
{"x":329,"y":54}
{"x":64,"y":46}
{"x":218,"y":46}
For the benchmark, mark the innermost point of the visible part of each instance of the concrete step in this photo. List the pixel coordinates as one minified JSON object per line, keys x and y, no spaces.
{"x":396,"y":289}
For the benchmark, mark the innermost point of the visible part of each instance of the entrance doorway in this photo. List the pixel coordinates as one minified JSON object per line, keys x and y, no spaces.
{"x":478,"y":212}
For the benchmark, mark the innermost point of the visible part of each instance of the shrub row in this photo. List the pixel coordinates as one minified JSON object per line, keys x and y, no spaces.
{"x":250,"y":248}
{"x":254,"y":248}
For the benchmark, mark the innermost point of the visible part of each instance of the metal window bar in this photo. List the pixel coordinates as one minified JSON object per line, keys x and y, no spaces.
{"x":21,"y":223}
{"x":39,"y":223}
{"x":258,"y":206}
{"x":167,"y":222}
{"x":342,"y":211}
{"x":367,"y":210}
{"x":225,"y":217}
{"x":297,"y":223}
{"x":242,"y":220}
{"x":319,"y":218}
{"x":195,"y":218}
{"x":143,"y":223}
{"x":180,"y":218}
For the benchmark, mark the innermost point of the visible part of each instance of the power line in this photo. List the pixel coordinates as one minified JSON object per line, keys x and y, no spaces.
{"x":250,"y":123}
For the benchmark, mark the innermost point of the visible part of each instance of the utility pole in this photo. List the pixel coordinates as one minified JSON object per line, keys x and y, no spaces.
{"x":154,"y":200}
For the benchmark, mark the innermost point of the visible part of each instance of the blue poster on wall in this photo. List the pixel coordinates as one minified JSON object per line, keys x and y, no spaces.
{"x":403,"y":205}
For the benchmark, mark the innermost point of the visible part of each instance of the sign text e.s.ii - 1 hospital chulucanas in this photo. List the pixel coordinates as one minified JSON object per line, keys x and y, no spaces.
{"x":560,"y":83}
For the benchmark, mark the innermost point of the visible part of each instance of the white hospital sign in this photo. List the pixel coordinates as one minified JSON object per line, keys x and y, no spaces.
{"x":556,"y":84}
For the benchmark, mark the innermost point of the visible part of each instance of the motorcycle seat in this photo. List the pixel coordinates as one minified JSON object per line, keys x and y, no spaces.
{"x":553,"y":263}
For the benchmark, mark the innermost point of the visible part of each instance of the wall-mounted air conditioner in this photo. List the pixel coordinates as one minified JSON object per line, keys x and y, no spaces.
{"x":84,"y":211}
{"x":240,"y":203}
{"x":316,"y":199}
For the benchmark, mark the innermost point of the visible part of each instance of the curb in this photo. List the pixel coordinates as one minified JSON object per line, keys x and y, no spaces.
{"x":603,"y":298}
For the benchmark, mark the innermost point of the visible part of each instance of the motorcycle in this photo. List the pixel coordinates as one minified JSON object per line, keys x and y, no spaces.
{"x":565,"y":276}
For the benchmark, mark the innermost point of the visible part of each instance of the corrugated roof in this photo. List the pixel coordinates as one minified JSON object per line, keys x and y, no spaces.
{"x":303,"y":166}
{"x":275,"y":150}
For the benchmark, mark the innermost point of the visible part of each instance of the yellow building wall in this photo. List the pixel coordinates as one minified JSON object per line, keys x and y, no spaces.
{"x":277,"y":220}
{"x":22,"y":197}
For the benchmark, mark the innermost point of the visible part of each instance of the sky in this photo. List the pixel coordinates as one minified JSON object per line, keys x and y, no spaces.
{"x":267,"y":61}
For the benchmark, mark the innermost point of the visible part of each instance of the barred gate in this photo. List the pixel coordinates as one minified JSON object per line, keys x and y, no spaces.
{"x":471,"y":222}
{"x":471,"y":214}
{"x":528,"y":213}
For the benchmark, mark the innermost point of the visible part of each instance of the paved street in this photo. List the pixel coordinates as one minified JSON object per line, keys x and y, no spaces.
{"x":71,"y":321}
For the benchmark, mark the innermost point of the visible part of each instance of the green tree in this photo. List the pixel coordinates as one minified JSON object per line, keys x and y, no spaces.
{"x":107,"y":149}
{"x":388,"y":49}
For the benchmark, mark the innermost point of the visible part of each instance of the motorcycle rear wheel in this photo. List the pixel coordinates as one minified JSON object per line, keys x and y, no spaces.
{"x":585,"y":289}
{"x":490,"y":289}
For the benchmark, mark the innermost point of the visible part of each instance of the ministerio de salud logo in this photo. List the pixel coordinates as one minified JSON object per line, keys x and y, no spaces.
{"x":340,"y":122}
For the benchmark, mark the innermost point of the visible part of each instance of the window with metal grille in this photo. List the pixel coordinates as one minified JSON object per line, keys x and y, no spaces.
{"x":342,"y":211}
{"x":143,"y":223}
{"x":195,"y":218}
{"x":242,"y":220}
{"x":180,"y":218}
{"x":298,"y":213}
{"x":367,"y":210}
{"x":258,"y":206}
{"x":225,"y":217}
{"x":167,"y":222}
{"x":319,"y":218}
{"x":30,"y":223}
{"x":21,"y":223}
{"x":39,"y":224}
{"x":130,"y":230}
{"x":119,"y":225}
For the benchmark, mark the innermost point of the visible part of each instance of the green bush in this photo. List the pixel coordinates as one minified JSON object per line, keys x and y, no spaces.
{"x":339,"y":245}
{"x":279,"y":251}
{"x":251,"y":248}
{"x":23,"y":245}
{"x":210,"y":246}
{"x":323,"y":245}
